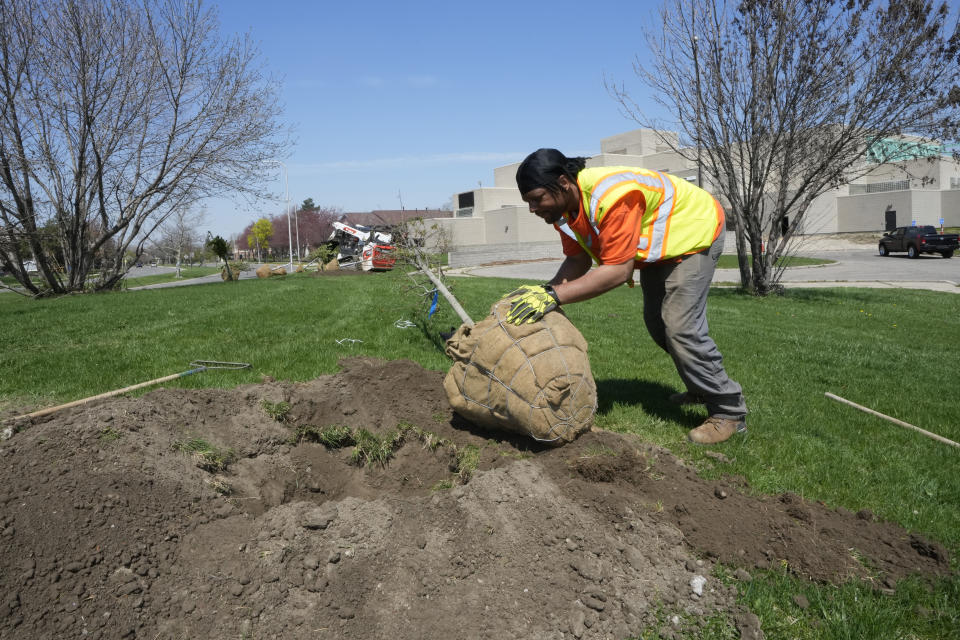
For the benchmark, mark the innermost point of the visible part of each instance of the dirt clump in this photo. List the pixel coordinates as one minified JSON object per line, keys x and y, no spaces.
{"x":249,"y":513}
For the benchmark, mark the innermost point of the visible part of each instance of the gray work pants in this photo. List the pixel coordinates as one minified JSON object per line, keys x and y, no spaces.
{"x":675,"y":311}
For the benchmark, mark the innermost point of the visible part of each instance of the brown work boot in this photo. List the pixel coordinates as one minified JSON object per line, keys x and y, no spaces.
{"x":686,"y":398}
{"x":716,"y":429}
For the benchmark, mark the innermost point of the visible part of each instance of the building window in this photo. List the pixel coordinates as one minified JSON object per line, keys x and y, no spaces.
{"x":878,"y":187}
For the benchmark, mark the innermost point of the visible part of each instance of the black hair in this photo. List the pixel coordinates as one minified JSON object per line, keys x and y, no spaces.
{"x":543,"y":168}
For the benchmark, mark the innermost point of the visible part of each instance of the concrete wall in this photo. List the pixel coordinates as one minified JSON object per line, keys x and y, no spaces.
{"x":615,"y":160}
{"x":822,"y":216}
{"x":926,"y":174}
{"x":487,"y":199}
{"x":517,"y":225}
{"x":926,"y":207}
{"x":669,"y":161}
{"x":950,"y":208}
{"x":491,"y":199}
{"x":463,"y":231}
{"x":509,"y":233}
{"x":487,"y":254}
{"x":501,"y":226}
{"x":950,"y":175}
{"x":639,"y":142}
{"x":506,"y":177}
{"x":867,"y":212}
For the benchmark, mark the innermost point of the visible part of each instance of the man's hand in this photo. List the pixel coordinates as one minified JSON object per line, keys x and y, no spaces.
{"x":531,"y":303}
{"x":524,"y":289}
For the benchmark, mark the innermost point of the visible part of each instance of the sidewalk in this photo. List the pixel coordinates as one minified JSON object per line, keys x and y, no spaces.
{"x":837,"y":274}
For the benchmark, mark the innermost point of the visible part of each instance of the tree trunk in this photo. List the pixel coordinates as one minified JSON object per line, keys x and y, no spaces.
{"x":742,"y":261}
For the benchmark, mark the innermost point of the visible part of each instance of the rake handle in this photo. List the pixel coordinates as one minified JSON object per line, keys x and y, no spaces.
{"x":901,"y":423}
{"x":108,"y":394}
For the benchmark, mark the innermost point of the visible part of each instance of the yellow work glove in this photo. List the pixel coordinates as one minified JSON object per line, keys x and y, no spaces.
{"x":524,"y":289}
{"x":531,"y":303}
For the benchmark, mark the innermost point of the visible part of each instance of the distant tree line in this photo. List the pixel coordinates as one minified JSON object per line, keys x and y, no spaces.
{"x":312,"y":223}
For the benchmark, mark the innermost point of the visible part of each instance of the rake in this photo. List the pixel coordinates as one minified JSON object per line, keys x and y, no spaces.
{"x":198,"y":366}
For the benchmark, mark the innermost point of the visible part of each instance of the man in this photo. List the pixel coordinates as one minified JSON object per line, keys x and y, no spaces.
{"x":626,"y":218}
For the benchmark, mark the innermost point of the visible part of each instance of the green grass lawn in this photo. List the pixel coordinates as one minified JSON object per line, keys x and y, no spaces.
{"x":894,"y":351}
{"x":10,"y":281}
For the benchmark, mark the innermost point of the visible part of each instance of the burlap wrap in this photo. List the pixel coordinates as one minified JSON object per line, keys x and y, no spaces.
{"x":265,"y":271}
{"x":532,"y":379}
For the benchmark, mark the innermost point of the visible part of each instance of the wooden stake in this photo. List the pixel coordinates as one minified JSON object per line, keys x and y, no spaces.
{"x":893,"y":420}
{"x":446,"y":293}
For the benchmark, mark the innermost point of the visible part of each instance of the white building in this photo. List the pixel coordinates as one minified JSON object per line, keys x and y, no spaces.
{"x":493,"y":223}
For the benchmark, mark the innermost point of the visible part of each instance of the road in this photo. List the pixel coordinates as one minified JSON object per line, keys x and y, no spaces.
{"x":854,"y":266}
{"x":213,"y":277}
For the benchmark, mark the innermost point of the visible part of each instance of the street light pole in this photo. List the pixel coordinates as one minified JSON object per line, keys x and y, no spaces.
{"x":296,"y":223}
{"x":286,"y":199}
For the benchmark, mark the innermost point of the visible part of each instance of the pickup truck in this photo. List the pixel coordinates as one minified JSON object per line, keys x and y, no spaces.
{"x":917,"y":240}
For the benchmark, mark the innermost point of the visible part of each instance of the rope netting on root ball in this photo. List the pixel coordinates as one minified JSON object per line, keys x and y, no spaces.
{"x":532,"y":379}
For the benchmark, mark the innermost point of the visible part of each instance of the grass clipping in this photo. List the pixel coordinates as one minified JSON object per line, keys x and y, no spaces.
{"x":532,"y":379}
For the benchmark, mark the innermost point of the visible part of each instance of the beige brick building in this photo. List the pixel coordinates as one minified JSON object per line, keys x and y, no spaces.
{"x":493,"y":223}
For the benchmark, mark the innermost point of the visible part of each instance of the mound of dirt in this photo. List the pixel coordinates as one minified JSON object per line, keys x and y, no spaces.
{"x":217,"y":514}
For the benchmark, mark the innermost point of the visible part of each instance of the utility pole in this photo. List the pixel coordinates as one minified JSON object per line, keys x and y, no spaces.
{"x":296,"y":221}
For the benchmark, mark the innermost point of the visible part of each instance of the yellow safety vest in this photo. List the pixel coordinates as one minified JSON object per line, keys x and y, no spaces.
{"x":680,"y":218}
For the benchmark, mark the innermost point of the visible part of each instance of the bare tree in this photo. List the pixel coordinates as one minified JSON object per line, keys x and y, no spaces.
{"x":781,"y":101}
{"x":180,"y":234}
{"x":114,"y":115}
{"x":420,"y":247}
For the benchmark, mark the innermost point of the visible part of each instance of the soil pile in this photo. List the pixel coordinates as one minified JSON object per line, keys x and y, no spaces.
{"x":219,"y":514}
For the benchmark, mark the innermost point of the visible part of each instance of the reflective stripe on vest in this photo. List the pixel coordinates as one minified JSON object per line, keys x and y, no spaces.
{"x":584,"y":244}
{"x":653,"y":246}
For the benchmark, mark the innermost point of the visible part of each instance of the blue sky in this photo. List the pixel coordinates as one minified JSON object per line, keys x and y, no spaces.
{"x":418,"y":100}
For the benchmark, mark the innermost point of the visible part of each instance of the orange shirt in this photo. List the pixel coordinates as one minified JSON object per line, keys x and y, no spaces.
{"x":619,"y":231}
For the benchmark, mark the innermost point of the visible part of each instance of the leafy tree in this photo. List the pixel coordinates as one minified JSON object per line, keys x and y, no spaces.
{"x":219,"y":247}
{"x":114,"y":115}
{"x":308,"y":205}
{"x":781,"y":101}
{"x":323,"y":254}
{"x":261,"y":232}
